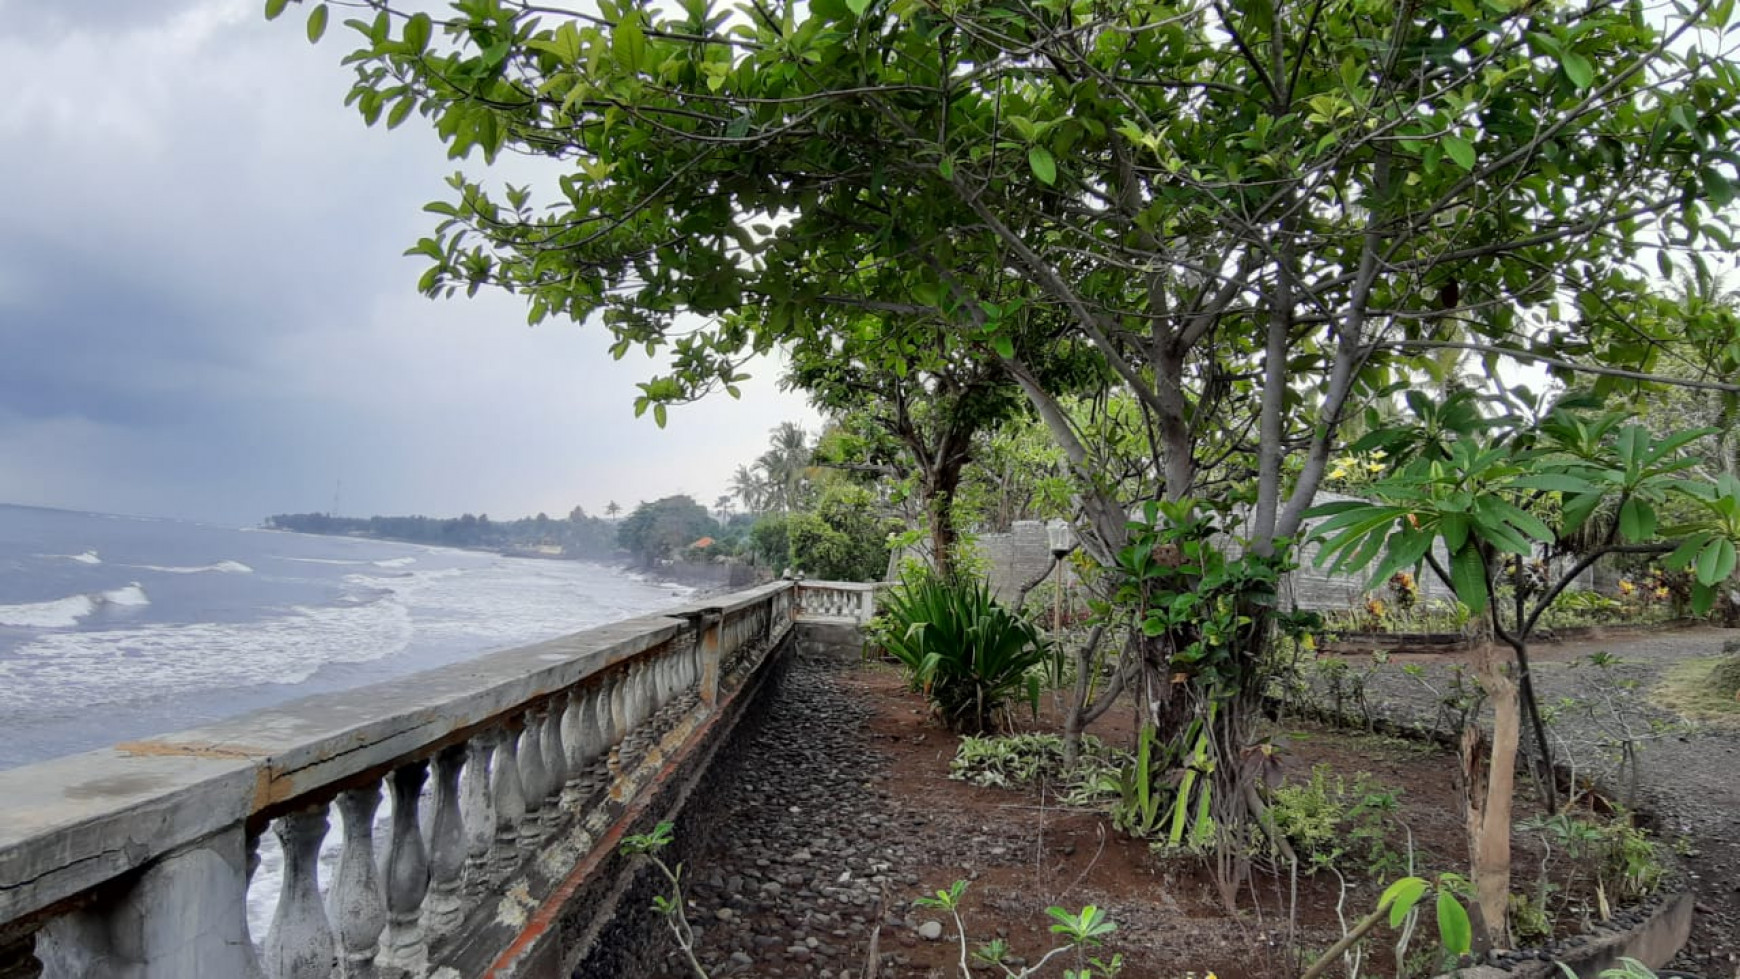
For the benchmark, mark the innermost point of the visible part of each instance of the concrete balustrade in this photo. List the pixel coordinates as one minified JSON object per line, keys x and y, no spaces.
{"x":134,"y":861}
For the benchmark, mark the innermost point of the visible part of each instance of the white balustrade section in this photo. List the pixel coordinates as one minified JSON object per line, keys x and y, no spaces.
{"x":521,"y":744}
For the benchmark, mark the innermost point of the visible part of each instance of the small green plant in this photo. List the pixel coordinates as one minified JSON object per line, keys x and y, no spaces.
{"x":1399,"y":905}
{"x":1325,"y":819}
{"x":1529,"y":920}
{"x":967,"y":653}
{"x":1081,"y":931}
{"x":1166,"y":796}
{"x":647,"y":846}
{"x":1621,"y":858}
{"x":1003,"y":761}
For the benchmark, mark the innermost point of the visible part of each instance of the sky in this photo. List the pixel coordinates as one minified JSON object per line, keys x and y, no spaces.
{"x":205,"y":311}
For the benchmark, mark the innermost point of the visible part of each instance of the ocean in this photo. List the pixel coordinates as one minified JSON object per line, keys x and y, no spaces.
{"x":114,"y":628}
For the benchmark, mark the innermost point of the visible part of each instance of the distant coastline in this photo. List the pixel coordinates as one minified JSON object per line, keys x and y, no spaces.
{"x":578,"y":537}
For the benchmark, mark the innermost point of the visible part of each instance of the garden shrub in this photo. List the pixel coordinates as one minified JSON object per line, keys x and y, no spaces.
{"x":967,"y":653}
{"x":1325,"y":819}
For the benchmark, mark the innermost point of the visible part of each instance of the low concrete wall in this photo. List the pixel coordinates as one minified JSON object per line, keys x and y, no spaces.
{"x":133,"y":861}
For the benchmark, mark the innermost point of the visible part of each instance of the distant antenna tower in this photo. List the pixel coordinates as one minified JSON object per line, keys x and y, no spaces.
{"x":337,"y":486}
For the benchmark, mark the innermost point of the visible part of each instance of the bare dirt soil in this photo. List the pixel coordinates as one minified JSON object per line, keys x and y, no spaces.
{"x":1688,"y":774}
{"x":843,"y":813}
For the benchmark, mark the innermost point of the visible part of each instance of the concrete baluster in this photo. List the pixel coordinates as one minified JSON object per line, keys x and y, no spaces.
{"x":577,"y":731}
{"x":510,"y":804}
{"x":643,"y":691}
{"x":407,"y":876}
{"x":662,"y":683}
{"x":444,"y":909}
{"x":534,"y":776}
{"x":555,"y":761}
{"x":620,"y":728}
{"x":354,"y":900}
{"x":477,"y":807}
{"x":300,"y":944}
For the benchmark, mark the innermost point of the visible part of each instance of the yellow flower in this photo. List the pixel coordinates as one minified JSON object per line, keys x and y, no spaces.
{"x":1626,"y":587}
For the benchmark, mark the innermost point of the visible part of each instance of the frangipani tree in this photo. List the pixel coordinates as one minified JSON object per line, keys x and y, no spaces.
{"x":1503,"y":498}
{"x":1255,"y":216}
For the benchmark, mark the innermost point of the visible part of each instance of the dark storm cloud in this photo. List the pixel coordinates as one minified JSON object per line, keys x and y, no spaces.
{"x":204,"y":310}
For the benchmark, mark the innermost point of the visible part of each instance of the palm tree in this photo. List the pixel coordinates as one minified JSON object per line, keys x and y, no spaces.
{"x":786,"y":465}
{"x":612,"y":509}
{"x":722,"y":506}
{"x":750,"y":489}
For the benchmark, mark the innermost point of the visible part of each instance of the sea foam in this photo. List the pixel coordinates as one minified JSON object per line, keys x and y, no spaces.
{"x":151,"y":661}
{"x":222,"y":567}
{"x":85,"y":557}
{"x":62,"y":613}
{"x":65,"y":613}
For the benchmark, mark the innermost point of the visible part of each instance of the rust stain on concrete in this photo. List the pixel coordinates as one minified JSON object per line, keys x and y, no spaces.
{"x":182,"y":749}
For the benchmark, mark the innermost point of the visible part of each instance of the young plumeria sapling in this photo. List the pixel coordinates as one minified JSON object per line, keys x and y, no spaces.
{"x":1082,"y":931}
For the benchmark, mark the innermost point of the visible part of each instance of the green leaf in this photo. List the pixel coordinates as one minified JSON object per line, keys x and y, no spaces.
{"x":1716,"y":561}
{"x":1468,"y":578}
{"x":1401,"y":897}
{"x":946,"y":167}
{"x":400,"y":110}
{"x":858,"y":6}
{"x":659,"y":414}
{"x":275,"y":7}
{"x":417,"y":31}
{"x":1044,"y":167}
{"x":1460,"y":150}
{"x":1717,"y":187}
{"x":1688,"y":550}
{"x":1636,"y":520}
{"x":1562,"y":482}
{"x":1004,"y":346}
{"x":1455,"y":932}
{"x":1578,"y":70}
{"x":316,"y":23}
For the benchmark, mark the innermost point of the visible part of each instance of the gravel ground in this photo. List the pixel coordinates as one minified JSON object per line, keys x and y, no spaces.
{"x":791,"y":883}
{"x":1689,"y":779}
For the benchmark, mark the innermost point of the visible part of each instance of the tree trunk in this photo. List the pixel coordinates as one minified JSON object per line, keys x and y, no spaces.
{"x":1490,"y":777}
{"x":939,"y":506}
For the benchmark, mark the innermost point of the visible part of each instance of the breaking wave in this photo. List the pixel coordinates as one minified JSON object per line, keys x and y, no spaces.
{"x":222,"y":567}
{"x":143,"y":662}
{"x":66,"y":613}
{"x":85,"y":557}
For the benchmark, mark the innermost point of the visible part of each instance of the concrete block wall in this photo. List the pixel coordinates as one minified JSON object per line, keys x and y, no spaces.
{"x":1016,"y":558}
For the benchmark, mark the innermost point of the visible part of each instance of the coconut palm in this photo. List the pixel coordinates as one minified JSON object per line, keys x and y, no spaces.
{"x":750,"y":489}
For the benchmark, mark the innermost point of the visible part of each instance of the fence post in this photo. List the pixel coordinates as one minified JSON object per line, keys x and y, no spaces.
{"x":186,"y":916}
{"x":710,"y":624}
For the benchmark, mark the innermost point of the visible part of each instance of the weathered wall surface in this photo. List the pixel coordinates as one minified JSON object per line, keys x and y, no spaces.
{"x":1016,"y":558}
